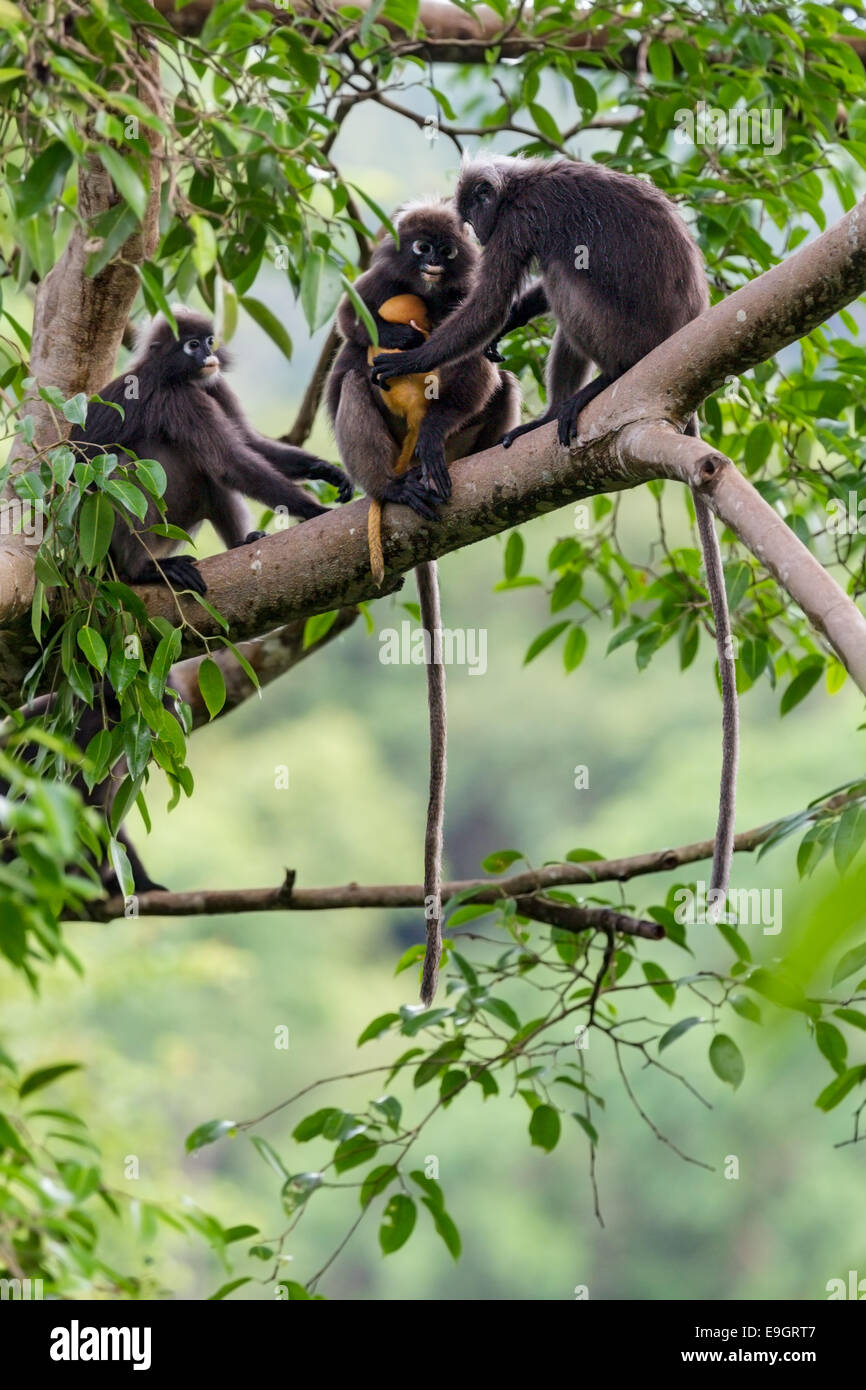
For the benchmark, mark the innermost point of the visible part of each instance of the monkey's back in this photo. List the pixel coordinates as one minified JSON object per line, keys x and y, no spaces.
{"x":620,"y":243}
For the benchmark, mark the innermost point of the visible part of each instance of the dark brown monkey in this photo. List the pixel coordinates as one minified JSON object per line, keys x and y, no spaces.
{"x":620,"y":273}
{"x":469,"y":408}
{"x":178,"y":410}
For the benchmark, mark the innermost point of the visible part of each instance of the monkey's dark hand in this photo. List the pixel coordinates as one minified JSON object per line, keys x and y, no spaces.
{"x":409,"y":491}
{"x":401,"y":336}
{"x":250,"y":539}
{"x":178,"y":571}
{"x":329,"y":473}
{"x":388,"y":364}
{"x":492,"y":353}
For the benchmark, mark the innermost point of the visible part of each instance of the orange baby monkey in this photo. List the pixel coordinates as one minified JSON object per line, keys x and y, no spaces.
{"x":407,"y":400}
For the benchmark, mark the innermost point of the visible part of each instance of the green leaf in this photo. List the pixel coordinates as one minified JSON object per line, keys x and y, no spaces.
{"x":745,"y":1007}
{"x":444,"y":1226}
{"x":543,"y":640}
{"x":545,"y":123}
{"x":850,"y":962}
{"x":212,"y":685}
{"x":545,"y":1127}
{"x":499,"y":861}
{"x":125,"y":179}
{"x":856,"y":1020}
{"x":352,"y":1152}
{"x":654,"y":974}
{"x":660,"y":59}
{"x":726,"y":1060}
{"x":678,"y":1030}
{"x":319,"y":626}
{"x":361,"y":310}
{"x":379,"y":1026}
{"x":514,"y":551}
{"x":75,"y":409}
{"x":204,"y":251}
{"x":321,"y":286}
{"x":43,"y":182}
{"x":312,"y":1125}
{"x":208,"y":1133}
{"x":91,"y":643}
{"x":262,"y":315}
{"x":839,"y":1087}
{"x":849,"y":837}
{"x":45,"y":1076}
{"x":376,"y":1181}
{"x":398,"y":1223}
{"x":9,"y":1137}
{"x":575,"y":648}
{"x":95,"y":528}
{"x":587,"y":1126}
{"x":225,"y":1289}
{"x":831,"y":1044}
{"x":800,"y":686}
{"x":271,"y":1157}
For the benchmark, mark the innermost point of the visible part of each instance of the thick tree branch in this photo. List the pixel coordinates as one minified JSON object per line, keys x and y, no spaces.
{"x":206,"y":902}
{"x":324,"y":563}
{"x":450,"y":35}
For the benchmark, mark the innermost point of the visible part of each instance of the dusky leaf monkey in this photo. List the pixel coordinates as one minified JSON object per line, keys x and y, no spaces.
{"x":178,"y":409}
{"x":460,"y":411}
{"x":620,"y":273}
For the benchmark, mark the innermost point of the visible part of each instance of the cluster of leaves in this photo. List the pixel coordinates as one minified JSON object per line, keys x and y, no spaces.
{"x":55,"y":1199}
{"x":486,"y":1040}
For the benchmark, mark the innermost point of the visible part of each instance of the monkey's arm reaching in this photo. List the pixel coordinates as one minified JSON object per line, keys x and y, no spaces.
{"x":291,"y":461}
{"x":525,"y":308}
{"x":471,"y":327}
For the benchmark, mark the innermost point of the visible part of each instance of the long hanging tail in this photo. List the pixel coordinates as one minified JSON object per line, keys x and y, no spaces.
{"x":427,"y":578}
{"x":723,"y":849}
{"x":374,"y":513}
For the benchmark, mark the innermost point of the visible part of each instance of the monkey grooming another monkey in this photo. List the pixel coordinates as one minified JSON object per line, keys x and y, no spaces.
{"x":187,"y":418}
{"x":457,"y":411}
{"x":620,"y":273}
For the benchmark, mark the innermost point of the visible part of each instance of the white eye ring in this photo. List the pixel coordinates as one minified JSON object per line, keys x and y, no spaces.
{"x":209,"y":342}
{"x":451,"y":253}
{"x":421,"y":248}
{"x":191,"y":346}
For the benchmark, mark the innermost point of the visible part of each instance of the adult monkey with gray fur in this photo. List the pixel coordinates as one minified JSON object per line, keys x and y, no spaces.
{"x":642,"y":278}
{"x":469,"y":409}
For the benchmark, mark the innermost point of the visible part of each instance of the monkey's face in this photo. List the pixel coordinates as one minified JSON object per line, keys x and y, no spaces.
{"x":192,"y":357}
{"x":431,"y":257}
{"x":477,"y":202}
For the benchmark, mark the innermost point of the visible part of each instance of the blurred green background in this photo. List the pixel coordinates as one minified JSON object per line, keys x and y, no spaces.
{"x":175,"y":1020}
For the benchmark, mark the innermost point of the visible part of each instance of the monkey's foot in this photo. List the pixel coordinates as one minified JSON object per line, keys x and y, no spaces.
{"x":177,"y":571}
{"x":436,"y":477}
{"x":250,"y":539}
{"x":567,"y":417}
{"x":508,"y":439}
{"x":409,"y":491}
